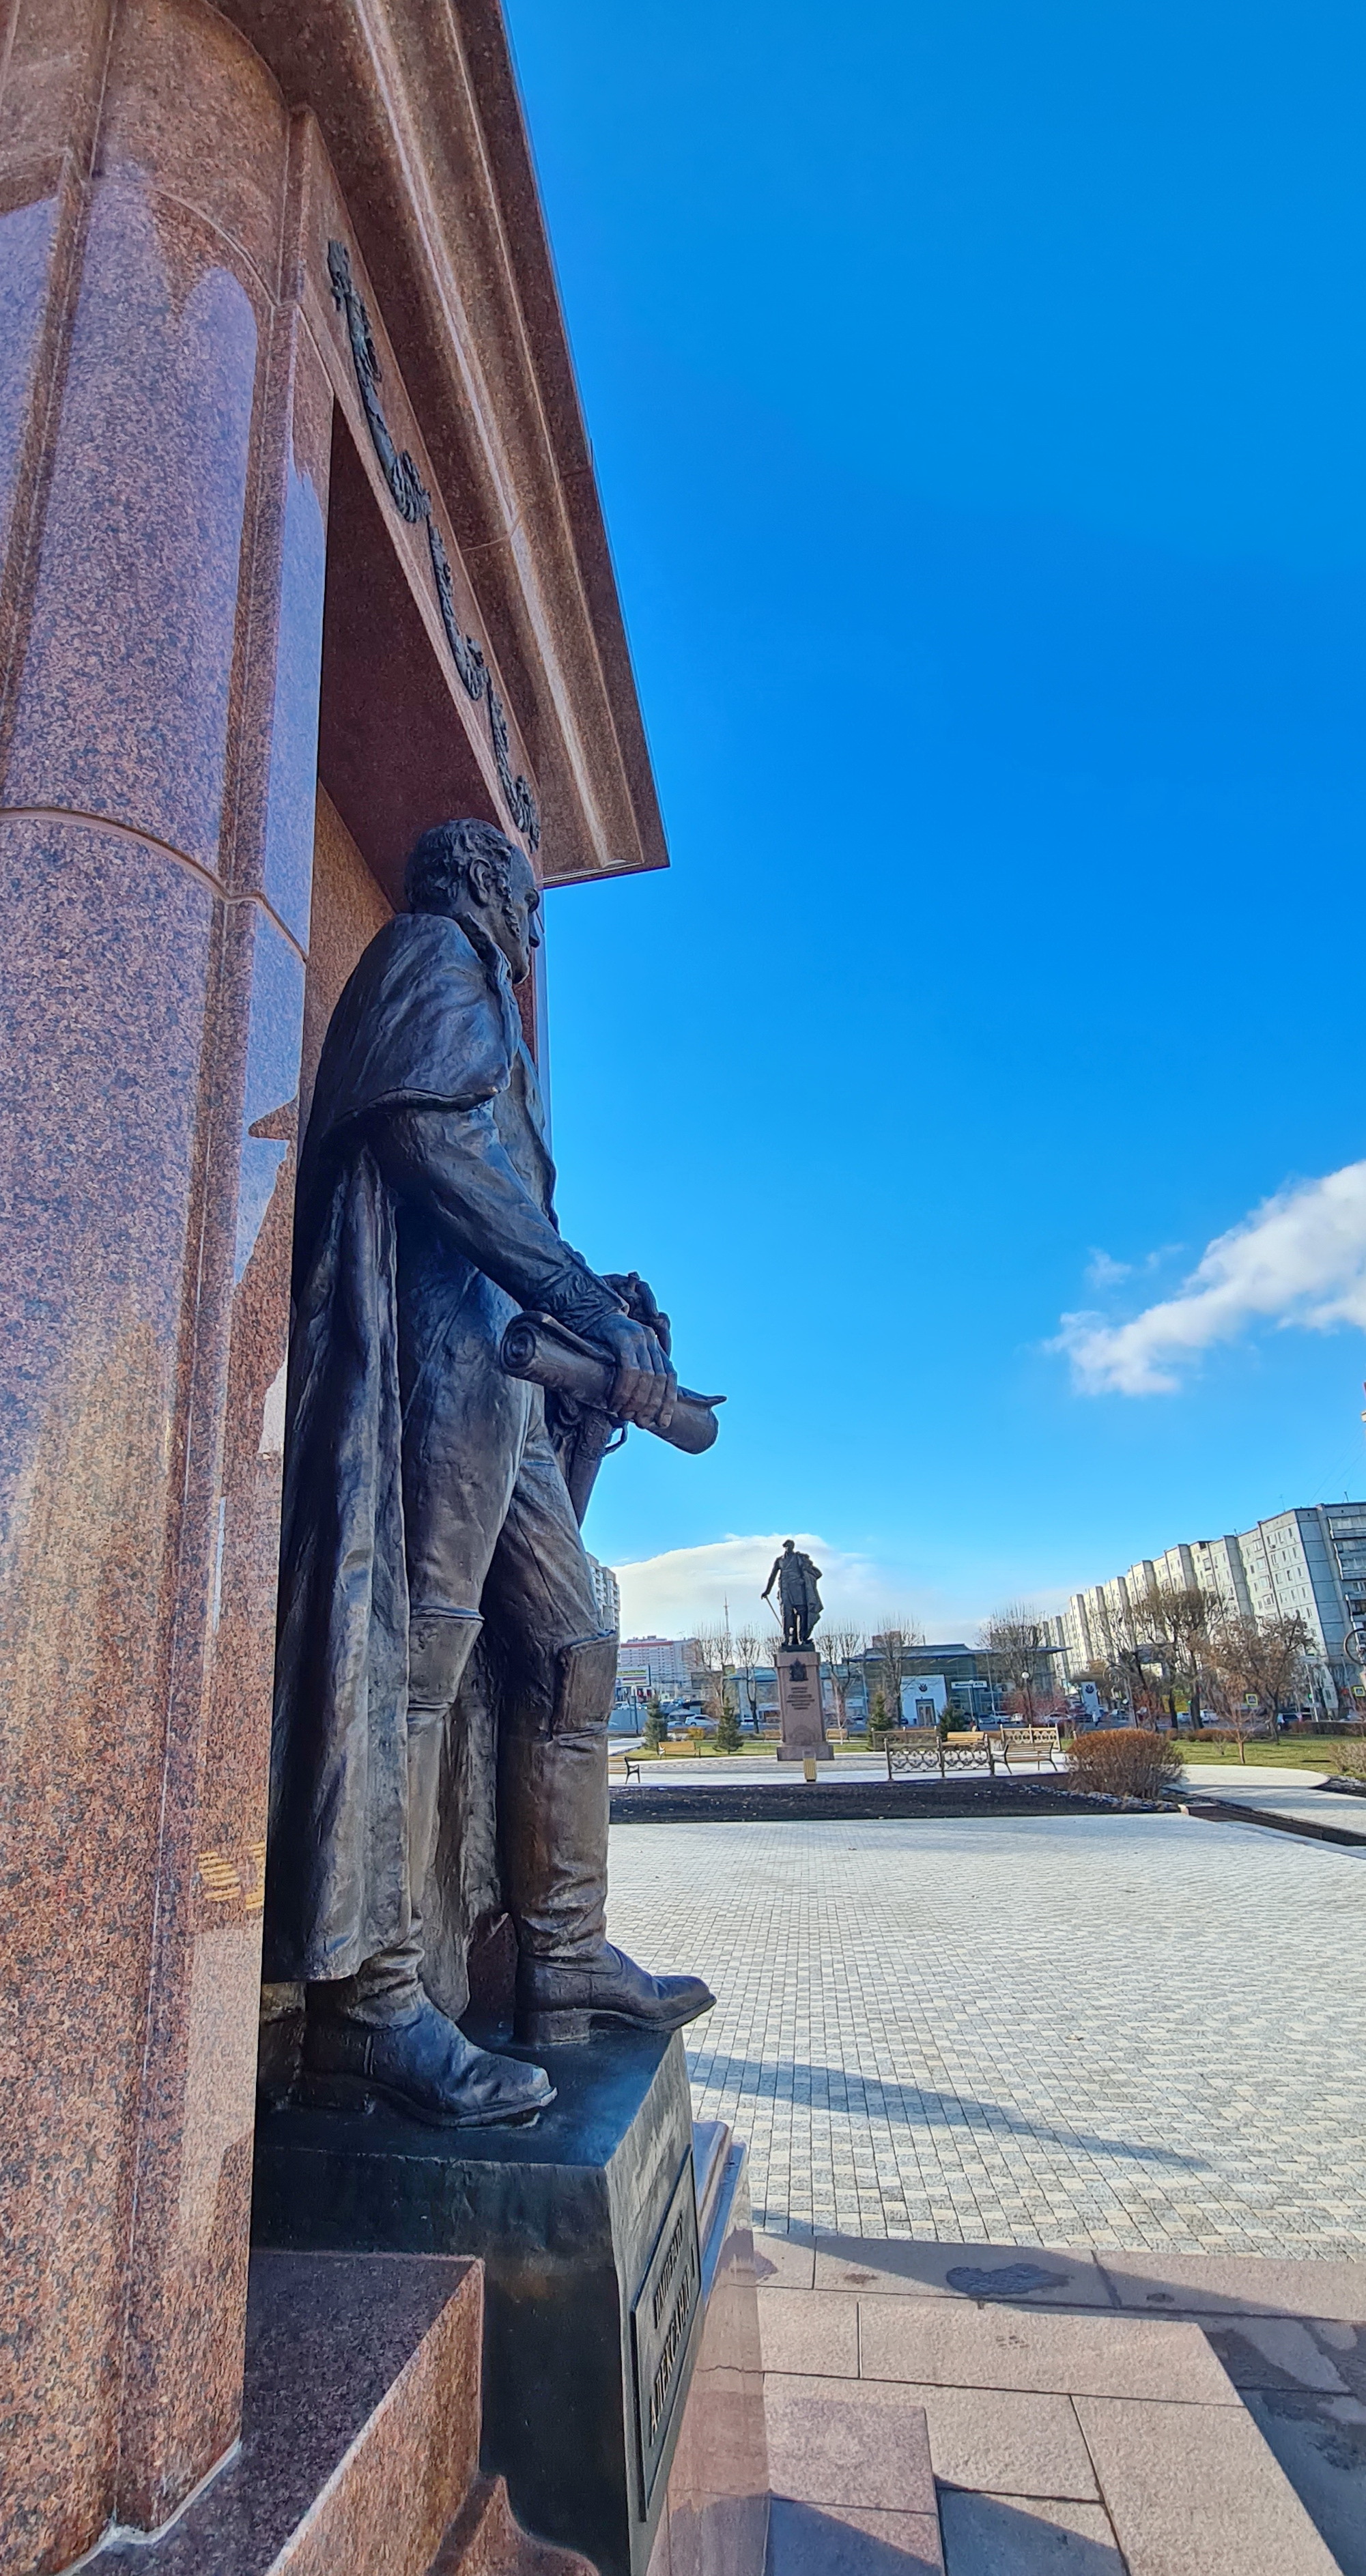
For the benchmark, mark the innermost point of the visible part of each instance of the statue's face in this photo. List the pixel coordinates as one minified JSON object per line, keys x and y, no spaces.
{"x":512,"y":917}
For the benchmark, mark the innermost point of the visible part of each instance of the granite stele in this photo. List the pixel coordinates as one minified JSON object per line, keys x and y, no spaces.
{"x":315,"y":681}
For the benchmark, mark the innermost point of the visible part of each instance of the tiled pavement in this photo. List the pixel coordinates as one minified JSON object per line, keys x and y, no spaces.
{"x":1118,"y":2032}
{"x":1091,"y":2437}
{"x":1279,"y":1793}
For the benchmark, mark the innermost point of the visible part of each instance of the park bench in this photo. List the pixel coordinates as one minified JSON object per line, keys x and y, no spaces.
{"x":631,"y":1766}
{"x":1038,"y":1742}
{"x":964,"y":1751}
{"x":922,"y":1748}
{"x":913,"y":1749}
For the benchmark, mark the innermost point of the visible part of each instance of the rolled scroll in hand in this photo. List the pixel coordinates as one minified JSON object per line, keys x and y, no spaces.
{"x":536,"y":1347}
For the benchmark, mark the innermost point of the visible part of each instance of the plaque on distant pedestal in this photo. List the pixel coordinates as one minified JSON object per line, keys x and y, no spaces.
{"x":799,"y":1706}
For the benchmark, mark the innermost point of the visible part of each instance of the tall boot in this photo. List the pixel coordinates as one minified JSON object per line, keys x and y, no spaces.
{"x":553,"y":1819}
{"x":379,"y":2033}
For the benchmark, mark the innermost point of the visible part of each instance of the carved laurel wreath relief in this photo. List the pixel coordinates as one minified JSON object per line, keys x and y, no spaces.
{"x":413,"y":502}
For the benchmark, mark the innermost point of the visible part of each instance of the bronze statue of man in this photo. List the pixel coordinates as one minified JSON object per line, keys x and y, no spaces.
{"x":798,"y":1598}
{"x":423,"y":1501}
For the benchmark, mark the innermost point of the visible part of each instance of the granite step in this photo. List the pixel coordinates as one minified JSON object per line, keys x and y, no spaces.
{"x":360,"y":2436}
{"x":360,"y":2425}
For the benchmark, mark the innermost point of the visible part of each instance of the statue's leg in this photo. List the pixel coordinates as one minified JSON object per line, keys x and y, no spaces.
{"x":378,"y":2032}
{"x":553,"y":1777}
{"x":553,"y":1798}
{"x":440,"y":1644}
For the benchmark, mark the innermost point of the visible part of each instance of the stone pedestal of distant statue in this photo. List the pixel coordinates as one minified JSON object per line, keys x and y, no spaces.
{"x":799,"y":1706}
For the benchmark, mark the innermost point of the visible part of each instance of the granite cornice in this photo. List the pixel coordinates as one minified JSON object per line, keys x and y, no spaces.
{"x":570,"y":621}
{"x":487,"y":354}
{"x":419,"y":116}
{"x":494,"y":79}
{"x":412,"y":537}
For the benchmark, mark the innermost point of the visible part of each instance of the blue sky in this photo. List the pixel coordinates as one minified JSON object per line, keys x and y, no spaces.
{"x":977,"y":395}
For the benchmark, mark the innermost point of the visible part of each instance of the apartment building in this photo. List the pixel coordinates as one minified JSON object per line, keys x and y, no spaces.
{"x":606,"y":1593}
{"x":660,"y":1664}
{"x":1311,"y":1560}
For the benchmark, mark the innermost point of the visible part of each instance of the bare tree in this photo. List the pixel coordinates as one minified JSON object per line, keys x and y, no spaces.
{"x":841,"y":1647}
{"x":1136,"y":1664}
{"x":1260,"y":1663}
{"x":714,"y":1657}
{"x":1178,"y":1618}
{"x":749,"y":1655}
{"x":893,"y":1638}
{"x":1160,"y":1639}
{"x":997,"y":1675}
{"x":1015,"y":1639}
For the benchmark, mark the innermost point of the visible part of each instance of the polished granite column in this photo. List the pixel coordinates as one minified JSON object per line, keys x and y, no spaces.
{"x":164,"y":437}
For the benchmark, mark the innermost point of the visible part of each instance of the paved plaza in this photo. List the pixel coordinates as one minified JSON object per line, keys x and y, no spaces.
{"x":1123,"y":2031}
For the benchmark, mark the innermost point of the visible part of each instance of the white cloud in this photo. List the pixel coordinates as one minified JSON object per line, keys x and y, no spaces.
{"x":674,"y":1594}
{"x":1103,"y":1272}
{"x":1298,"y":1259}
{"x":670,"y":1595}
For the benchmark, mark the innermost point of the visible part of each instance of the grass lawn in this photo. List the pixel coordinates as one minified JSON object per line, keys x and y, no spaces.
{"x":1291,"y":1753}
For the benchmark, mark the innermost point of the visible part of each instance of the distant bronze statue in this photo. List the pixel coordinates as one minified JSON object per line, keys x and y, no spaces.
{"x":424,"y":1500}
{"x":798,"y":1598}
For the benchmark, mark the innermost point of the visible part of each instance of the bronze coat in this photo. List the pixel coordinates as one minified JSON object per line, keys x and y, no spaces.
{"x":425,"y":1024}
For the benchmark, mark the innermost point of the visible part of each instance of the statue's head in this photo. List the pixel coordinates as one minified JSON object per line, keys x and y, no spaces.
{"x":788,"y":1545}
{"x":471,"y":872}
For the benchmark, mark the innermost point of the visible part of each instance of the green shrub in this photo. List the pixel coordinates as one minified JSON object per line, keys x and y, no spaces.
{"x":1124,"y":1762}
{"x":656,"y":1729}
{"x":728,"y":1731}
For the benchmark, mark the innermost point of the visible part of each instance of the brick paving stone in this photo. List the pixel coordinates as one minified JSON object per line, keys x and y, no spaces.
{"x":1134,"y":2033}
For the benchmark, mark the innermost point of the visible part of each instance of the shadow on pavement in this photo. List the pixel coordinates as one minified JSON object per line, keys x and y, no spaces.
{"x":837,"y":2090}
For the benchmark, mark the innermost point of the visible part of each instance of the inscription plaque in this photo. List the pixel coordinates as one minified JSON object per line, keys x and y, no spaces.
{"x":661,"y":2322}
{"x":799,"y":1706}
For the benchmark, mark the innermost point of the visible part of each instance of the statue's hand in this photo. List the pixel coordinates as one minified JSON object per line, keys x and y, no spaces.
{"x":640,"y":1301}
{"x":645,"y":1386}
